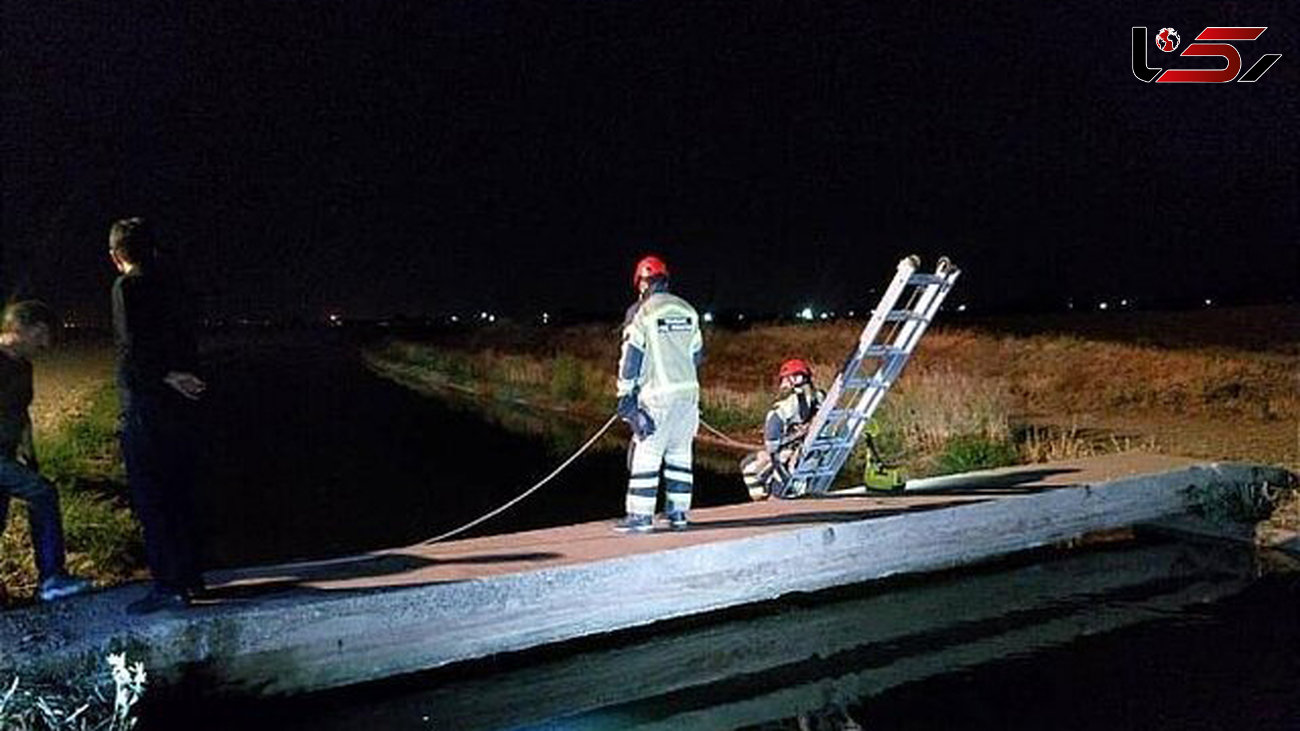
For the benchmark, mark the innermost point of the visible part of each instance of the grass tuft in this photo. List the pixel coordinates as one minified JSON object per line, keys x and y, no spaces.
{"x":969,"y":452}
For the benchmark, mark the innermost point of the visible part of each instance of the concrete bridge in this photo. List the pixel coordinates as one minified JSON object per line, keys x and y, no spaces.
{"x":311,"y":626}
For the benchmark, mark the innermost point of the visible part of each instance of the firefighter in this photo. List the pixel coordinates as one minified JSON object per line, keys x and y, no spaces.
{"x":659,"y":397}
{"x":767,"y":472}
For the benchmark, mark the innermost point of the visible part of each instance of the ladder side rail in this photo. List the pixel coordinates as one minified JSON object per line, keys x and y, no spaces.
{"x":928,"y":307}
{"x":908,"y":336}
{"x":933,"y":301}
{"x":905,"y":269}
{"x":891,"y":370}
{"x":851,"y":429}
{"x":856,"y":422}
{"x":909,"y":332}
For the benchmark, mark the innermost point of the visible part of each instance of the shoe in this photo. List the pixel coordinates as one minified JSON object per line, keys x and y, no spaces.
{"x":635,"y":524}
{"x":60,"y":586}
{"x":158,"y":600}
{"x":677,"y":521}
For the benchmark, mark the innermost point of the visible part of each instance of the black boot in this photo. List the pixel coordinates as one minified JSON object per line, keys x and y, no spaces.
{"x":157,"y":600}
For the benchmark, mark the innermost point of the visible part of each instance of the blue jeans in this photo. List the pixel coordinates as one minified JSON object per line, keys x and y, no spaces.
{"x":157,"y":446}
{"x":43,"y":514}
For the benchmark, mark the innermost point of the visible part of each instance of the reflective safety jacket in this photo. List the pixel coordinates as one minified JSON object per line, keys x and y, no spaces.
{"x":662,"y":346}
{"x":790,"y":415}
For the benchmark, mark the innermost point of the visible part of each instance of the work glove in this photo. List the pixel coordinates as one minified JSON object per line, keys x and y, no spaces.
{"x":635,"y":416}
{"x":780,"y":475}
{"x":642,"y":425}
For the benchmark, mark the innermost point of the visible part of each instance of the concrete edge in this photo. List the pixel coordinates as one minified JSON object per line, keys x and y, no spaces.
{"x":289,"y":645}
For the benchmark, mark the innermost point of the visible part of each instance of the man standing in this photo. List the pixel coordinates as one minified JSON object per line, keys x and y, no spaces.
{"x":25,"y":328}
{"x":156,"y":359}
{"x":659,"y":397}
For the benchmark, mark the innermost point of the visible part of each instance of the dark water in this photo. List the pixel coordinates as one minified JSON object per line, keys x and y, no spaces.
{"x":321,"y":458}
{"x":310,"y":455}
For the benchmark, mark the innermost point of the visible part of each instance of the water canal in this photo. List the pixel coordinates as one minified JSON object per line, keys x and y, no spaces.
{"x":313,"y":457}
{"x":309,"y":455}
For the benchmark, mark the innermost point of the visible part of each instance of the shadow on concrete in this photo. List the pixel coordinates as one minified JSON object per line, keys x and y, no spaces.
{"x":838,"y":516}
{"x":1019,"y":482}
{"x":272,"y":579}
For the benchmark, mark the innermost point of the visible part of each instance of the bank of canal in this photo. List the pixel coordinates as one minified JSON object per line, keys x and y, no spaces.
{"x":310,"y":455}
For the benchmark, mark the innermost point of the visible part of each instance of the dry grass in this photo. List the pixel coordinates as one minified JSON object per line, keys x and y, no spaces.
{"x":74,"y":413}
{"x":1055,"y":396}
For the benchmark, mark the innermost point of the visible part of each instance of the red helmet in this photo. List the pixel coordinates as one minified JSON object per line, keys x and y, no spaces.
{"x":795,"y":367}
{"x":650,"y":266}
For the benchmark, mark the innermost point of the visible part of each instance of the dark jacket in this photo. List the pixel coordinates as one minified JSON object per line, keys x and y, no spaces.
{"x":15,"y":398}
{"x":151,"y":330}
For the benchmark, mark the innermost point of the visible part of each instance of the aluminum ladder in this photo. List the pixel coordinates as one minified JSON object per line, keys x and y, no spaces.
{"x":886,"y":343}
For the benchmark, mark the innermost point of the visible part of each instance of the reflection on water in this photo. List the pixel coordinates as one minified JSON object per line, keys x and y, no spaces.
{"x":1137,"y":632}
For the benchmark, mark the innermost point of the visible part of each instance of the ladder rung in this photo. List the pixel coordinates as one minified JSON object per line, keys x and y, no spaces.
{"x":825,"y":445}
{"x":873,"y":382}
{"x":904,"y":316}
{"x":926,"y":279}
{"x":883,"y":351}
{"x":840,"y":413}
{"x":813,"y":471}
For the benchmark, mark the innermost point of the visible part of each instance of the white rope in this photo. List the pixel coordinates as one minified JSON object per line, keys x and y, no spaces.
{"x":492,"y":514}
{"x":723,"y":436}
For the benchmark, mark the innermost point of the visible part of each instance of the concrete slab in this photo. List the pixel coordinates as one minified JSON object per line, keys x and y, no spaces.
{"x":514,"y":553}
{"x":910,"y":632}
{"x":289,"y":629}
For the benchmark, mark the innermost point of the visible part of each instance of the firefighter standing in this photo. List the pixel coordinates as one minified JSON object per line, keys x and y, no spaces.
{"x":659,"y":397}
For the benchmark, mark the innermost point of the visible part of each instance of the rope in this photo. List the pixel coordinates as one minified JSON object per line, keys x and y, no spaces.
{"x":726,"y":438}
{"x":564,"y":465}
{"x":493,"y":513}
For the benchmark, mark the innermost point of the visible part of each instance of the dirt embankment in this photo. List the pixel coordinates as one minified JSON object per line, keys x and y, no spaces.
{"x":1197,"y":384}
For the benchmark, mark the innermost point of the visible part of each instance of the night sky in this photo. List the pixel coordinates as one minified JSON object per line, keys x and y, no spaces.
{"x":388,"y":157}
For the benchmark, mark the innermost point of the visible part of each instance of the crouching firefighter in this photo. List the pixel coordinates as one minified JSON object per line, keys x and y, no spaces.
{"x":767,"y":473}
{"x":659,"y":398}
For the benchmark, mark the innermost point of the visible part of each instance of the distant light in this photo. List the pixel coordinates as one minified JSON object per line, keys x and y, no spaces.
{"x":708,"y":317}
{"x":741,"y":316}
{"x":961,"y":308}
{"x":1123,"y":303}
{"x":492,"y":318}
{"x":482,"y":315}
{"x":455,"y":318}
{"x":1069,"y":305}
{"x":1103,"y":306}
{"x":823,"y":315}
{"x":851,"y":314}
{"x":805,"y":314}
{"x":1208,"y":302}
{"x":546,"y":318}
